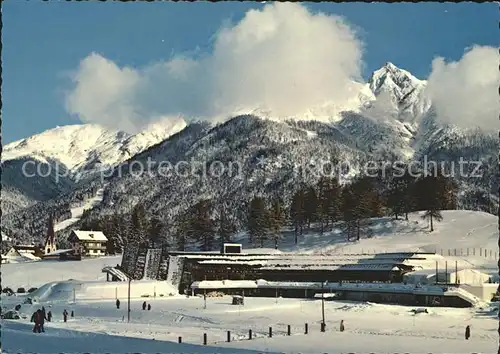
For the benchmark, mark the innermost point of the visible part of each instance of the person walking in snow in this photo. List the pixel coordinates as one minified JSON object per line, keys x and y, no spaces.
{"x":467,"y":332}
{"x":144,"y":305}
{"x":34,"y":319}
{"x":342,"y":326}
{"x":149,"y":307}
{"x":72,"y":314}
{"x":42,"y":319}
{"x":65,"y":315}
{"x":49,"y":316}
{"x":117,"y":304}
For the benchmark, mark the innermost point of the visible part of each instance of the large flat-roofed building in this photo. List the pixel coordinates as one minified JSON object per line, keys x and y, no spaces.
{"x":88,"y":243}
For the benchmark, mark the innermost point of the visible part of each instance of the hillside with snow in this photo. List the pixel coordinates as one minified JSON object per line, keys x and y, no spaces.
{"x":388,"y":119}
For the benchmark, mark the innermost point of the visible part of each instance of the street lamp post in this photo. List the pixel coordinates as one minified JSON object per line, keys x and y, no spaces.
{"x":323,"y":324}
{"x":128,"y":312}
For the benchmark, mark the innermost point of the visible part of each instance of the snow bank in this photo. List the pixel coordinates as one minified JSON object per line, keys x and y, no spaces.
{"x":42,"y":272}
{"x":18,"y":338}
{"x":78,"y":290}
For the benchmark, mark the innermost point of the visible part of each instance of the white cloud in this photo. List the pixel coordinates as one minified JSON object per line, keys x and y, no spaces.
{"x":282,"y":59}
{"x":104,"y":93}
{"x":465,"y":93}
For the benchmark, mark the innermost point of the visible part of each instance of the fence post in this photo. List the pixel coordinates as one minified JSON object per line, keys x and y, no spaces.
{"x":180,"y":339}
{"x":204,"y":339}
{"x":289,"y":330}
{"x":249,"y":334}
{"x":228,"y":336}
{"x":270,"y":332}
{"x":455,"y":252}
{"x":306,"y":330}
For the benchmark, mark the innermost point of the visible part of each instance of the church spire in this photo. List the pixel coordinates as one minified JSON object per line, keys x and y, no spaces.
{"x":50,"y":241}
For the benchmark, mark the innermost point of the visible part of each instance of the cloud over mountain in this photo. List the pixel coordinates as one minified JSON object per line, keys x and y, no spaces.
{"x":466,"y":92}
{"x":281,"y":58}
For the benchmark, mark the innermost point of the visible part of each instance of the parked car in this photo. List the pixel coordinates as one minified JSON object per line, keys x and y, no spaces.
{"x":30,"y":290}
{"x":8,"y":291}
{"x":21,"y":290}
{"x":11,"y":315}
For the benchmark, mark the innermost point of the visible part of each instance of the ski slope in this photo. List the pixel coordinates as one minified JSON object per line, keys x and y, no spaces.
{"x":76,"y":213}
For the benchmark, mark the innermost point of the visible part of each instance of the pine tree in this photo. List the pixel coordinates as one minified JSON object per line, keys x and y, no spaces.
{"x":349,"y":206}
{"x":276,"y":220}
{"x":333,"y":202}
{"x":361,"y":201}
{"x":298,"y":212}
{"x":310,"y":206}
{"x":202,"y":227}
{"x":258,"y":221}
{"x":225,"y":226}
{"x":431,"y":194}
{"x":155,"y":232}
{"x":140,"y":225}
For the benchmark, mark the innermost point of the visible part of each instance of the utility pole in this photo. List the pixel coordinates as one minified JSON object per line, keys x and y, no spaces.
{"x":323,"y":324}
{"x":128,"y":312}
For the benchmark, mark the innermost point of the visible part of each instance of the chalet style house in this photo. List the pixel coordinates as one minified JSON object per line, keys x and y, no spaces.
{"x":88,"y":243}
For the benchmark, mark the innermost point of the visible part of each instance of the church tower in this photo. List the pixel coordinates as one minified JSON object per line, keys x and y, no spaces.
{"x":50,"y":241}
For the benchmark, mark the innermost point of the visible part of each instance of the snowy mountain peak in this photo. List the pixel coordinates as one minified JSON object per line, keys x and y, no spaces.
{"x":83,"y":148}
{"x":392,"y":79}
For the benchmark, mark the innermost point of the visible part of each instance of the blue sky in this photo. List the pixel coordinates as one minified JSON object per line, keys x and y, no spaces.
{"x":44,"y":41}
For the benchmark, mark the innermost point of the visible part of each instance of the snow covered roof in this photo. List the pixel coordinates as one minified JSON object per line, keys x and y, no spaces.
{"x":90,"y":235}
{"x":5,"y":238}
{"x":59,"y":252}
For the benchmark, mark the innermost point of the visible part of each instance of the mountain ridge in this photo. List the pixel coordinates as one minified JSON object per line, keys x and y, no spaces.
{"x":400,"y":126}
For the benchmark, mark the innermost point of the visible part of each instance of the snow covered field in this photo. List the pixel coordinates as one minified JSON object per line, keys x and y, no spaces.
{"x":370,"y":328}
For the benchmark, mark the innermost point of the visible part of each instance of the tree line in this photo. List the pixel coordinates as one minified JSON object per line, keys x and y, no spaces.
{"x":209,"y":223}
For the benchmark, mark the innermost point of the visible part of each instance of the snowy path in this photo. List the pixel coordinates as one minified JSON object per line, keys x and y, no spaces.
{"x":76,"y":213}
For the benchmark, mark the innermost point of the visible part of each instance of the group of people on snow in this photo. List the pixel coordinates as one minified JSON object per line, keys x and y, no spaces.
{"x":40,"y":316}
{"x":144,"y":305}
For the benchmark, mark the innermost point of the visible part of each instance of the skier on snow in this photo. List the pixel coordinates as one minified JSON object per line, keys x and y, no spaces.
{"x":117,"y":304}
{"x":467,"y":332}
{"x":144,"y":305}
{"x":65,"y":315}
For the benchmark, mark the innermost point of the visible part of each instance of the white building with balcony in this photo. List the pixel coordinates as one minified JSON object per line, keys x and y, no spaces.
{"x":88,"y":243}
